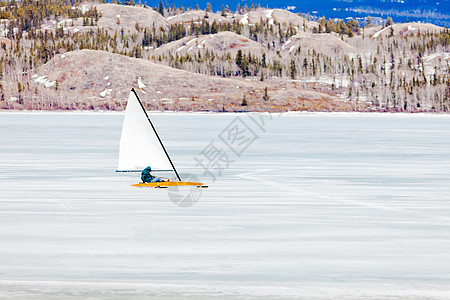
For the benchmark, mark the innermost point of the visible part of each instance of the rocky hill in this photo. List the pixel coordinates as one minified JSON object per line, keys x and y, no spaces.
{"x":220,"y":43}
{"x":401,"y":29}
{"x":118,"y":17}
{"x":104,"y":80}
{"x":199,"y":15}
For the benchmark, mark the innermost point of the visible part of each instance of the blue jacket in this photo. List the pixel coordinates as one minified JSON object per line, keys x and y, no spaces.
{"x":145,"y":175}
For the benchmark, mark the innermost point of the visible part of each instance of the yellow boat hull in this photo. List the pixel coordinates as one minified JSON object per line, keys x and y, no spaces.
{"x":165,"y":184}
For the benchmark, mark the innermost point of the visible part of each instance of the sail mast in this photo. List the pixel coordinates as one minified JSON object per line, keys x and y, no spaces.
{"x":154,"y":129}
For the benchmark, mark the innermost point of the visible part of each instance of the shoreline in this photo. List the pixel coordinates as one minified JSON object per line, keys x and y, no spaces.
{"x":288,"y":113}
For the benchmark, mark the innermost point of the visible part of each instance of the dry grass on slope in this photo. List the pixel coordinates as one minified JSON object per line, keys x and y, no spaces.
{"x":280,"y":16}
{"x":323,"y":43}
{"x":116,"y":17}
{"x":401,"y":29}
{"x":198,"y":15}
{"x":102,"y":80}
{"x":222,"y":42}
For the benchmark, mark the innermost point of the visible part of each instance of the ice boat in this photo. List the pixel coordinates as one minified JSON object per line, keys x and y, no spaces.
{"x":141,"y":146}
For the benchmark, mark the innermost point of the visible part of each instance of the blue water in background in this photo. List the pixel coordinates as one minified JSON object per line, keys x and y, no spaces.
{"x":337,"y":8}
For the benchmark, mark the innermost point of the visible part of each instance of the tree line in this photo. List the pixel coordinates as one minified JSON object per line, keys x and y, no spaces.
{"x":396,"y":72}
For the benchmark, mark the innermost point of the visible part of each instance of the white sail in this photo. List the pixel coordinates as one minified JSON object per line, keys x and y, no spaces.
{"x":139,"y":144}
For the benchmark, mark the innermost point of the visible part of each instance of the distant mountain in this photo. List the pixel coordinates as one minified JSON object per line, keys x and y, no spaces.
{"x":436,"y":11}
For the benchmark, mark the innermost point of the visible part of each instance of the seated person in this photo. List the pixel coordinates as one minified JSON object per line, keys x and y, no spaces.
{"x":147,"y":177}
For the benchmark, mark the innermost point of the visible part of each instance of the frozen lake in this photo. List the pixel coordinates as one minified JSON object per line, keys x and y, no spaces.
{"x":307,"y":206}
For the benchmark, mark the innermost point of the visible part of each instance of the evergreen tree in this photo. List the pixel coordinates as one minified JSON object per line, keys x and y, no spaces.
{"x":244,"y":101}
{"x":161,"y":8}
{"x":293,"y":69}
{"x":208,"y":7}
{"x":266,"y":94}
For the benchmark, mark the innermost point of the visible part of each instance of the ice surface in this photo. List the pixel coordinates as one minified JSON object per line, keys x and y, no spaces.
{"x":318,"y":206}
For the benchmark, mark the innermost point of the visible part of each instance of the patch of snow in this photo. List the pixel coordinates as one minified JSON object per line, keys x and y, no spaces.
{"x":41,"y":79}
{"x":118,"y":16}
{"x":244,"y":20}
{"x":141,"y":85}
{"x":64,"y":22}
{"x":181,"y":48}
{"x":106,"y":78}
{"x":211,"y":99}
{"x":76,"y":30}
{"x":63,"y":55}
{"x":12,"y":99}
{"x":83,"y":8}
{"x":292,"y":48}
{"x":190,"y":48}
{"x":410,"y":28}
{"x":105,"y":92}
{"x":269,"y":16}
{"x":436,"y":55}
{"x":191,"y":41}
{"x":291,"y":7}
{"x":285,"y":44}
{"x":170,"y":17}
{"x":34,"y":76}
{"x":49,"y":83}
{"x":377,"y":34}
